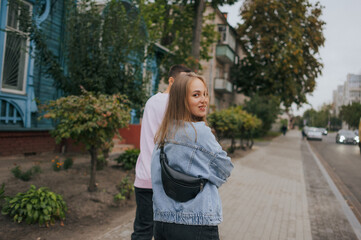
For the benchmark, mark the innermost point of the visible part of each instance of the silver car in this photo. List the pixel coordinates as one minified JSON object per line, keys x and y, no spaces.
{"x":347,"y":137}
{"x":314,"y":133}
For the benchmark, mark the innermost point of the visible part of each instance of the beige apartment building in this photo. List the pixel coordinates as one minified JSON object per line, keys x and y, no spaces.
{"x":225,"y":53}
{"x":347,"y":93}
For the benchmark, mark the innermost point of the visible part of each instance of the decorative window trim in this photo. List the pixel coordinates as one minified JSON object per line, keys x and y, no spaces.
{"x":45,"y":14}
{"x":26,"y":60}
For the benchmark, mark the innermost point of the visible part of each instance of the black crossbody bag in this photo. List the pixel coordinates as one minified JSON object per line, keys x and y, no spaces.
{"x":179,"y":186}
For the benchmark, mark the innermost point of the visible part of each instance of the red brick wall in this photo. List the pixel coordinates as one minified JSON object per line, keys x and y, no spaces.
{"x":26,"y":143}
{"x":30,"y":142}
{"x":131,"y":135}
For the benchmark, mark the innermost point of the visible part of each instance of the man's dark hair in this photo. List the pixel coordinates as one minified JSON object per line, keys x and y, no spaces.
{"x":177,"y":69}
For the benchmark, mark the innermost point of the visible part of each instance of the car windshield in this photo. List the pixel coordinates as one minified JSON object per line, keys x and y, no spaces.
{"x":347,"y":133}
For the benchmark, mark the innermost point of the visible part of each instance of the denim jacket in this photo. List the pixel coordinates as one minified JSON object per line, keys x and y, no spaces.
{"x":197,"y":154}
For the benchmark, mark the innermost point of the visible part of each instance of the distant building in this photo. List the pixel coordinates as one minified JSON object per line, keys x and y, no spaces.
{"x":352,"y":89}
{"x":338,"y":99}
{"x":225,"y":53}
{"x":347,"y":93}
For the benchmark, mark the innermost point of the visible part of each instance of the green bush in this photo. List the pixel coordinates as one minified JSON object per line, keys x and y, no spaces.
{"x":118,"y":197}
{"x":125,"y":189}
{"x":35,"y":206}
{"x":56,"y":164}
{"x":26,"y":175}
{"x":128,"y":159}
{"x":232,"y":123}
{"x":2,"y":193}
{"x":68,"y":163}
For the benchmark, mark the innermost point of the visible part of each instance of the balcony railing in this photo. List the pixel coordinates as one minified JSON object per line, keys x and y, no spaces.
{"x":222,"y":85}
{"x":225,"y":54}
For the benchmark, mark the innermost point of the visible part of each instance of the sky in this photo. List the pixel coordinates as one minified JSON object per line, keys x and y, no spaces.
{"x":341,"y":53}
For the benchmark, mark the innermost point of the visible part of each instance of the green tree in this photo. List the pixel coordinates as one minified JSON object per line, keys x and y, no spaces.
{"x":322,"y":118}
{"x":351,"y":114}
{"x":310,"y":116}
{"x":199,"y":7}
{"x":232,"y":123}
{"x":179,"y":26}
{"x":103,"y":49}
{"x":90,"y":119}
{"x":265,"y":108}
{"x":281,"y":41}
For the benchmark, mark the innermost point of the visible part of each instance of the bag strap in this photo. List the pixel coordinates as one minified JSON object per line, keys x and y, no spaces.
{"x":162,"y":154}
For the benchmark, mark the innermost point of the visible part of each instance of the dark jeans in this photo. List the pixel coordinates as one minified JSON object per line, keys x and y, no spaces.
{"x":143,"y":223}
{"x":172,"y":231}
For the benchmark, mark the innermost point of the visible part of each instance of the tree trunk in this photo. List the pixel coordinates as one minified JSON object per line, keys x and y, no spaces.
{"x":93,"y":154}
{"x":197,"y":29}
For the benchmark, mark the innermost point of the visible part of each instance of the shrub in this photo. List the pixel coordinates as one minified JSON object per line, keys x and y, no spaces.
{"x":35,"y":206}
{"x":68,"y":163}
{"x":2,"y":193}
{"x":118,"y":197}
{"x":25,"y":176}
{"x":56,"y":164}
{"x":36,"y":169}
{"x":128,"y":159}
{"x":125,"y":189}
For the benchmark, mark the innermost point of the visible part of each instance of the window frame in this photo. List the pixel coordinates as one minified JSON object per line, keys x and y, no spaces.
{"x":26,"y":58}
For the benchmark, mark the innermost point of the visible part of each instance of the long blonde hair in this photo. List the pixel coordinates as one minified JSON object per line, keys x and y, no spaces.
{"x":178,"y":111}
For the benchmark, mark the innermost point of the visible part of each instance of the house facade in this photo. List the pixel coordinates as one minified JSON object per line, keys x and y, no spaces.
{"x":225,"y":53}
{"x":22,"y":81}
{"x":347,"y":93}
{"x":24,"y":84}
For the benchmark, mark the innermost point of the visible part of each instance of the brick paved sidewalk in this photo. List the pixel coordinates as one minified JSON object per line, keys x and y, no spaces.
{"x":269,"y":197}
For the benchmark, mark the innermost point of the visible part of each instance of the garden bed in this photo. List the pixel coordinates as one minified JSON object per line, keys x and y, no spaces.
{"x":89,"y":214}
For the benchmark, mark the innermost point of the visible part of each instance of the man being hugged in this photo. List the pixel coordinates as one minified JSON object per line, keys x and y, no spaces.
{"x":153,"y":116}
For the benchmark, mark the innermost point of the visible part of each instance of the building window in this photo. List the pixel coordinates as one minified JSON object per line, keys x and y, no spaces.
{"x":15,"y":55}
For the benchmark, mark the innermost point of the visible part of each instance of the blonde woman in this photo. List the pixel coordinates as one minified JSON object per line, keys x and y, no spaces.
{"x":191,"y":148}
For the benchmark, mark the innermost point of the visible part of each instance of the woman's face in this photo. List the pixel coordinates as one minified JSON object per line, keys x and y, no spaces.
{"x":197,"y":98}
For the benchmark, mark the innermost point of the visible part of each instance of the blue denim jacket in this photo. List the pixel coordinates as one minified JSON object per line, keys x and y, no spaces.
{"x":197,"y":154}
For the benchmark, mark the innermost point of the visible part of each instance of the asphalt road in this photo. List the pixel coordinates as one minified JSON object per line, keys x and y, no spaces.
{"x":344,"y":163}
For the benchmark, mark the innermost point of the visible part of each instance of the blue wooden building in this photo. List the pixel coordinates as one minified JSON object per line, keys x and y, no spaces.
{"x":23,"y":83}
{"x":22,"y":79}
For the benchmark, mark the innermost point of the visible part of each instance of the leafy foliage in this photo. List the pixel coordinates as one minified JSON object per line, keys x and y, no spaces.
{"x":90,"y":119}
{"x":233,"y":122}
{"x":171,"y":24}
{"x":351,"y":114}
{"x":125,"y":187}
{"x":56,"y":164}
{"x":2,"y":193}
{"x":103,"y":51}
{"x":68,"y":163}
{"x":322,"y":118}
{"x":281,"y":41}
{"x":35,"y":206}
{"x":25,"y":175}
{"x":128,"y":159}
{"x":265,"y":108}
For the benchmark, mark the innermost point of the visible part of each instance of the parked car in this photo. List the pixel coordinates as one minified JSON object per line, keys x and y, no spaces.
{"x":347,"y":137}
{"x":359,"y":135}
{"x":323,"y":131}
{"x":313,"y":133}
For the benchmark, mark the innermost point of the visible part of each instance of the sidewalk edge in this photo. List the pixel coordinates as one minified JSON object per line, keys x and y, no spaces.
{"x":356,"y":226}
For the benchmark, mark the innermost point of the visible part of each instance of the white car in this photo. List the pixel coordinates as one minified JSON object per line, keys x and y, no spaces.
{"x":314,"y":133}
